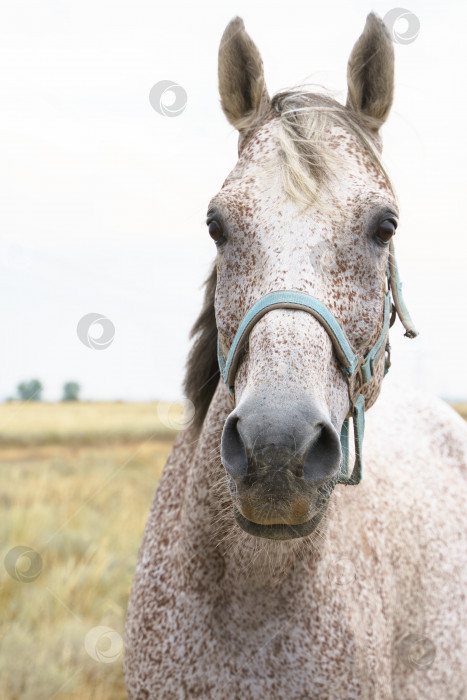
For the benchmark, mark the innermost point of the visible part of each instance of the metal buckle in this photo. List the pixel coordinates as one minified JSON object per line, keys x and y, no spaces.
{"x":353,"y":396}
{"x":387,"y":358}
{"x":358,"y":419}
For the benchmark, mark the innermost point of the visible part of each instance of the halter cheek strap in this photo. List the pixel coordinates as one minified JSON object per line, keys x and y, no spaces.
{"x":352,"y":365}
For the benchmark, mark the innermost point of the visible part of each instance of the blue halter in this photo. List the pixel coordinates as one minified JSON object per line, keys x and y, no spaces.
{"x":352,"y":365}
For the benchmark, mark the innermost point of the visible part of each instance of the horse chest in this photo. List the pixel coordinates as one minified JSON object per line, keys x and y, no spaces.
{"x":266,"y":645}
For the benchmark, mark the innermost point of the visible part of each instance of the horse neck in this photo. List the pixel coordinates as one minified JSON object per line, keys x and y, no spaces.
{"x":208,"y":526}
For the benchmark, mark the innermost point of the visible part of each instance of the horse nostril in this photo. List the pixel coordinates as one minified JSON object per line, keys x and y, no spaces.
{"x":302,"y":444}
{"x":233,"y":452}
{"x":323,"y":457}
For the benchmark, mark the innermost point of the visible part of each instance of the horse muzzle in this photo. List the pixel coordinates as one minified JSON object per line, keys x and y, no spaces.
{"x":282,"y":462}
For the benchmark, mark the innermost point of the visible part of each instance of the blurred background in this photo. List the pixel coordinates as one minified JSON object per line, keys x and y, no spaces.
{"x":103,"y":251}
{"x":104,"y":199}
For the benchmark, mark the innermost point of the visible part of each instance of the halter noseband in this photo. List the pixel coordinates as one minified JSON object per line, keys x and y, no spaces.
{"x":352,"y":365}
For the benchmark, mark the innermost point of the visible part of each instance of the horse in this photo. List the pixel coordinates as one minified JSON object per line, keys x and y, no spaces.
{"x":286,"y":556}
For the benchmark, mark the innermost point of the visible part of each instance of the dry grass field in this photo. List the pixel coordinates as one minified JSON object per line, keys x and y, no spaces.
{"x":76,"y":483}
{"x":461,"y":408}
{"x":82,"y":423}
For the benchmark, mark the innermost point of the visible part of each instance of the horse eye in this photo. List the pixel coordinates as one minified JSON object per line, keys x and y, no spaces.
{"x":386,"y":231}
{"x":215,"y":231}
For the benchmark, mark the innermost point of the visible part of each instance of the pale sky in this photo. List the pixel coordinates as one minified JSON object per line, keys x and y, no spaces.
{"x":104,"y":199}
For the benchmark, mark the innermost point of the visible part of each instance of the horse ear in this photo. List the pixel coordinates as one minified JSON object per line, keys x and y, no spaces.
{"x":244,"y":97}
{"x":370,"y":74}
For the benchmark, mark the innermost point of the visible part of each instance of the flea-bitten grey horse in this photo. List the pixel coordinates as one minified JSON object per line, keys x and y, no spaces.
{"x":286,"y":555}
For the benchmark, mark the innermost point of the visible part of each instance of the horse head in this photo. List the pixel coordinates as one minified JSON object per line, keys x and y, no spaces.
{"x":304,"y":222}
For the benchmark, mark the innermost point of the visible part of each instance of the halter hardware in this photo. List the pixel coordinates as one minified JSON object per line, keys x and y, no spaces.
{"x":352,"y":365}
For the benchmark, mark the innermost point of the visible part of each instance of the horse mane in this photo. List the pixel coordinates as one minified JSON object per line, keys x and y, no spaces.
{"x":306,"y":164}
{"x":202,"y":368}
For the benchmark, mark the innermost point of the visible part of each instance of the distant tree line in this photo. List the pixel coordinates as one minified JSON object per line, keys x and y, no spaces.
{"x":32,"y":391}
{"x":71,"y":391}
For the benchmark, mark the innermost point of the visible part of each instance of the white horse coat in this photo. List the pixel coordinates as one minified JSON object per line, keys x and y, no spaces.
{"x":370,"y":605}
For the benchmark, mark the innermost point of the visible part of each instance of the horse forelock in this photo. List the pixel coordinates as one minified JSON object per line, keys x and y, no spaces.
{"x":307,"y":162}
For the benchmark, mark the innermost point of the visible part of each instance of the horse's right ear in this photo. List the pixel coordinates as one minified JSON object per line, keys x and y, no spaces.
{"x":244,"y":97}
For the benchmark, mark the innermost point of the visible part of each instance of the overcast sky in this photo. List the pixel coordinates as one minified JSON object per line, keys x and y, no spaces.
{"x":104,"y":199}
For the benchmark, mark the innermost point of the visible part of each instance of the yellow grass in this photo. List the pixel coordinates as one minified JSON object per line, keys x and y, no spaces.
{"x":76,"y":483}
{"x":83,"y":509}
{"x":461,"y":408}
{"x":33,"y":422}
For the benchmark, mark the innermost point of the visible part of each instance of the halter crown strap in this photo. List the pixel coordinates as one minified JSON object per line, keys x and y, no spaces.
{"x":351,"y":363}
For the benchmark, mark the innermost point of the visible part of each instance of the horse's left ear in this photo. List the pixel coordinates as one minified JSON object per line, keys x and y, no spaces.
{"x":370,"y":74}
{"x":243,"y":92}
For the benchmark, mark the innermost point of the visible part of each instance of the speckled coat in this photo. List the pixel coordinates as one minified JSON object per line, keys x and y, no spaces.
{"x":370,"y":606}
